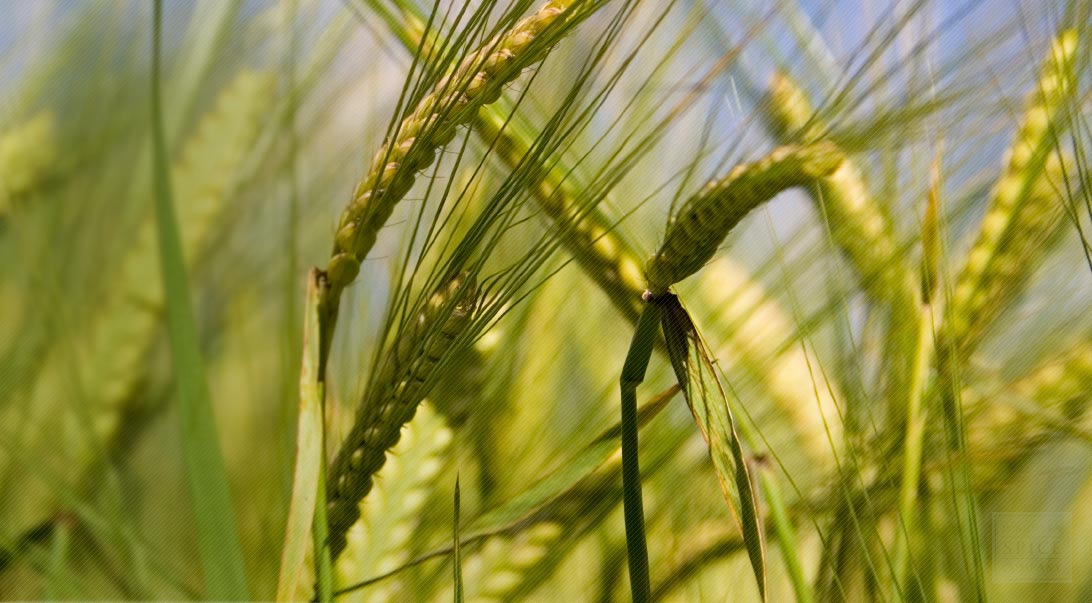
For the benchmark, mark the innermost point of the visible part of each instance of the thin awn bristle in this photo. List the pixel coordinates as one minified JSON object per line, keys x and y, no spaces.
{"x":703,"y":222}
{"x":111,"y":352}
{"x":402,"y":382}
{"x":478,"y":80}
{"x":598,"y":248}
{"x":858,"y":226}
{"x":1025,"y":209}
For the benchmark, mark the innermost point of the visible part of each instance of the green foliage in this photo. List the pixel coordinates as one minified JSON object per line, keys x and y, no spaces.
{"x":884,"y":358}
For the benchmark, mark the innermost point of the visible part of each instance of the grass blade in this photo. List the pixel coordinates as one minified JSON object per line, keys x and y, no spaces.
{"x":456,"y":550}
{"x":218,"y":539}
{"x":713,"y":417}
{"x":309,"y":457}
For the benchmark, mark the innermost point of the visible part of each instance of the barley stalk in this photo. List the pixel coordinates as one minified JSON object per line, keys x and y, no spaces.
{"x":1025,"y":209}
{"x":403,"y":380}
{"x":28,"y":153}
{"x":107,"y":361}
{"x":478,"y":80}
{"x":704,"y":220}
{"x":858,"y":226}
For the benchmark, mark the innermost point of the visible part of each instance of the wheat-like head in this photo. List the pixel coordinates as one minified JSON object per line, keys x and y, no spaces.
{"x":112,"y":351}
{"x":704,"y":220}
{"x":1025,"y":208}
{"x":478,"y":80}
{"x":858,"y":226}
{"x":404,"y":378}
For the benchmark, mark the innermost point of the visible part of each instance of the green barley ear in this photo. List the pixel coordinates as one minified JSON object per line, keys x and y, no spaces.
{"x":1050,"y":401}
{"x":408,"y":371}
{"x":497,"y":572}
{"x":381,"y":540}
{"x":1025,"y":210}
{"x":112,"y":352}
{"x":858,"y":226}
{"x":704,"y":220}
{"x":28,"y":153}
{"x":601,"y":251}
{"x":478,"y":80}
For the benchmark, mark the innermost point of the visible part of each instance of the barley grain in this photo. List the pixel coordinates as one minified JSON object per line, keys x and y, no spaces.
{"x":597,"y":247}
{"x":704,"y":220}
{"x":403,"y":380}
{"x":858,"y":225}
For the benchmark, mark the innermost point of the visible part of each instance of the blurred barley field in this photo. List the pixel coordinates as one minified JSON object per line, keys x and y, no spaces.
{"x":566,"y":300}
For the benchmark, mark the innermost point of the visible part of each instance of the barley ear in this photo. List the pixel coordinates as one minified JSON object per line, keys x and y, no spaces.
{"x":704,"y":220}
{"x":112,"y":350}
{"x":600,"y":250}
{"x":1051,"y":400}
{"x":380,"y":541}
{"x":478,"y":80}
{"x":1025,"y":209}
{"x":408,"y":371}
{"x":858,"y":226}
{"x":498,"y":571}
{"x":28,"y":154}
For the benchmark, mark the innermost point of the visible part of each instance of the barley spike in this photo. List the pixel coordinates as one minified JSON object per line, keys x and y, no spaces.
{"x":112,"y":350}
{"x":705,"y":219}
{"x":1025,"y":210}
{"x":599,"y":249}
{"x":478,"y":80}
{"x":858,"y":226}
{"x":403,"y":380}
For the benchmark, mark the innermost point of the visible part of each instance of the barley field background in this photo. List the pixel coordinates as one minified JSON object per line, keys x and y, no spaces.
{"x":546,"y":300}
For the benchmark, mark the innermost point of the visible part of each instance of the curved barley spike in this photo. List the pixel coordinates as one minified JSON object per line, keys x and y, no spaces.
{"x":1025,"y":210}
{"x":403,"y":381}
{"x":108,"y":359}
{"x":478,"y":80}
{"x":703,"y":222}
{"x":858,"y":225}
{"x":28,"y":153}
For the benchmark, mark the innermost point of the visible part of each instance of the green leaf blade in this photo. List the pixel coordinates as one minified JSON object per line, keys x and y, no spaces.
{"x":218,"y":538}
